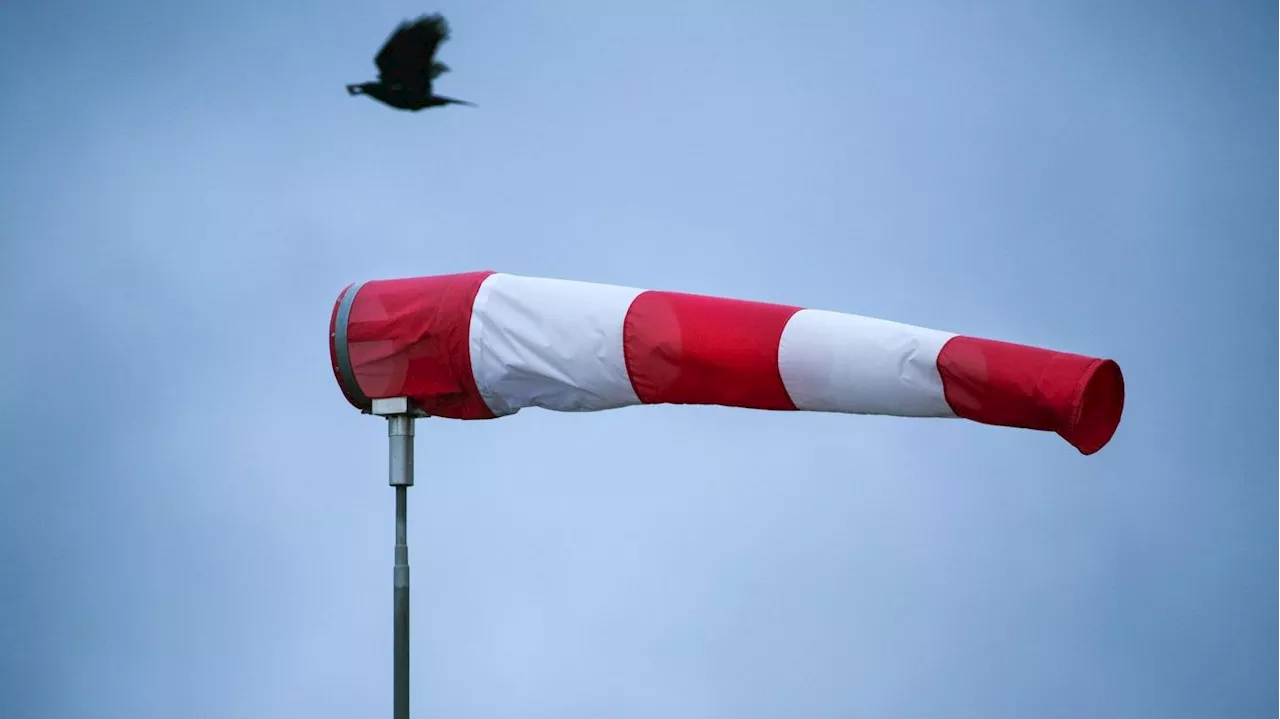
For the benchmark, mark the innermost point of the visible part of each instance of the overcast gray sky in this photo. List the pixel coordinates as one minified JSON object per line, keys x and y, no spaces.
{"x":194,"y":523}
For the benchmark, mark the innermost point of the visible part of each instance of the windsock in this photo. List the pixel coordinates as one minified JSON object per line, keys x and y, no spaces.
{"x":483,"y":345}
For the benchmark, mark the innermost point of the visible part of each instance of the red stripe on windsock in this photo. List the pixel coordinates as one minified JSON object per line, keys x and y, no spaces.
{"x":1080,"y":398}
{"x":410,"y":338}
{"x":693,"y":349}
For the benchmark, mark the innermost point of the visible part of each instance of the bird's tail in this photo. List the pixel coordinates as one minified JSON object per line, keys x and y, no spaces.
{"x":353,"y":89}
{"x":455,"y":101}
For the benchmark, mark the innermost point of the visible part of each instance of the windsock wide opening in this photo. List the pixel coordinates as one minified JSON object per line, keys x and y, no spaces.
{"x":408,"y":338}
{"x":339,"y":349}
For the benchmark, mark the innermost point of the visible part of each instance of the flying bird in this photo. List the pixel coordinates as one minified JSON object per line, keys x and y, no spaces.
{"x":407,"y":66}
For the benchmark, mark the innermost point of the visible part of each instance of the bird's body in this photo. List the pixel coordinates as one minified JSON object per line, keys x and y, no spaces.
{"x":407,"y":67}
{"x":402,"y":97}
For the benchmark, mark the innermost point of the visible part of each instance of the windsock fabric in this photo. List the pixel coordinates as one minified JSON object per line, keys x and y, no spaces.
{"x":483,"y":345}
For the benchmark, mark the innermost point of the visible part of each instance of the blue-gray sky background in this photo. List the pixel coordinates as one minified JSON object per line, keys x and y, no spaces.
{"x":194,"y":523}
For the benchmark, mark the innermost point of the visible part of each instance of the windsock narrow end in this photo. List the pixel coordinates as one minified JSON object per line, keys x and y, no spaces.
{"x":1099,"y":402}
{"x":1077,"y":397}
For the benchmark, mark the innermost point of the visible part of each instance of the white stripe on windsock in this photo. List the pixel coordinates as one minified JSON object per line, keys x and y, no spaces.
{"x":836,"y":362}
{"x":548,"y":343}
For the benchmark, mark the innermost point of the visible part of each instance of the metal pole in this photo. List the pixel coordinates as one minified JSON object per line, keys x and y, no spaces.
{"x":400,"y":436}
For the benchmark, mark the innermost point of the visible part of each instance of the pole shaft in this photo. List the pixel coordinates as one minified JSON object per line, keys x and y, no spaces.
{"x":400,"y":649}
{"x":400,"y":435}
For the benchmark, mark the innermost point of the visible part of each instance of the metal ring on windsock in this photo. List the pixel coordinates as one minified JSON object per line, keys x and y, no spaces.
{"x":482,"y":345}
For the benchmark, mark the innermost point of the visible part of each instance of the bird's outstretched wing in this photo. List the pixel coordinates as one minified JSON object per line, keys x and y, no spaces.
{"x":408,"y":56}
